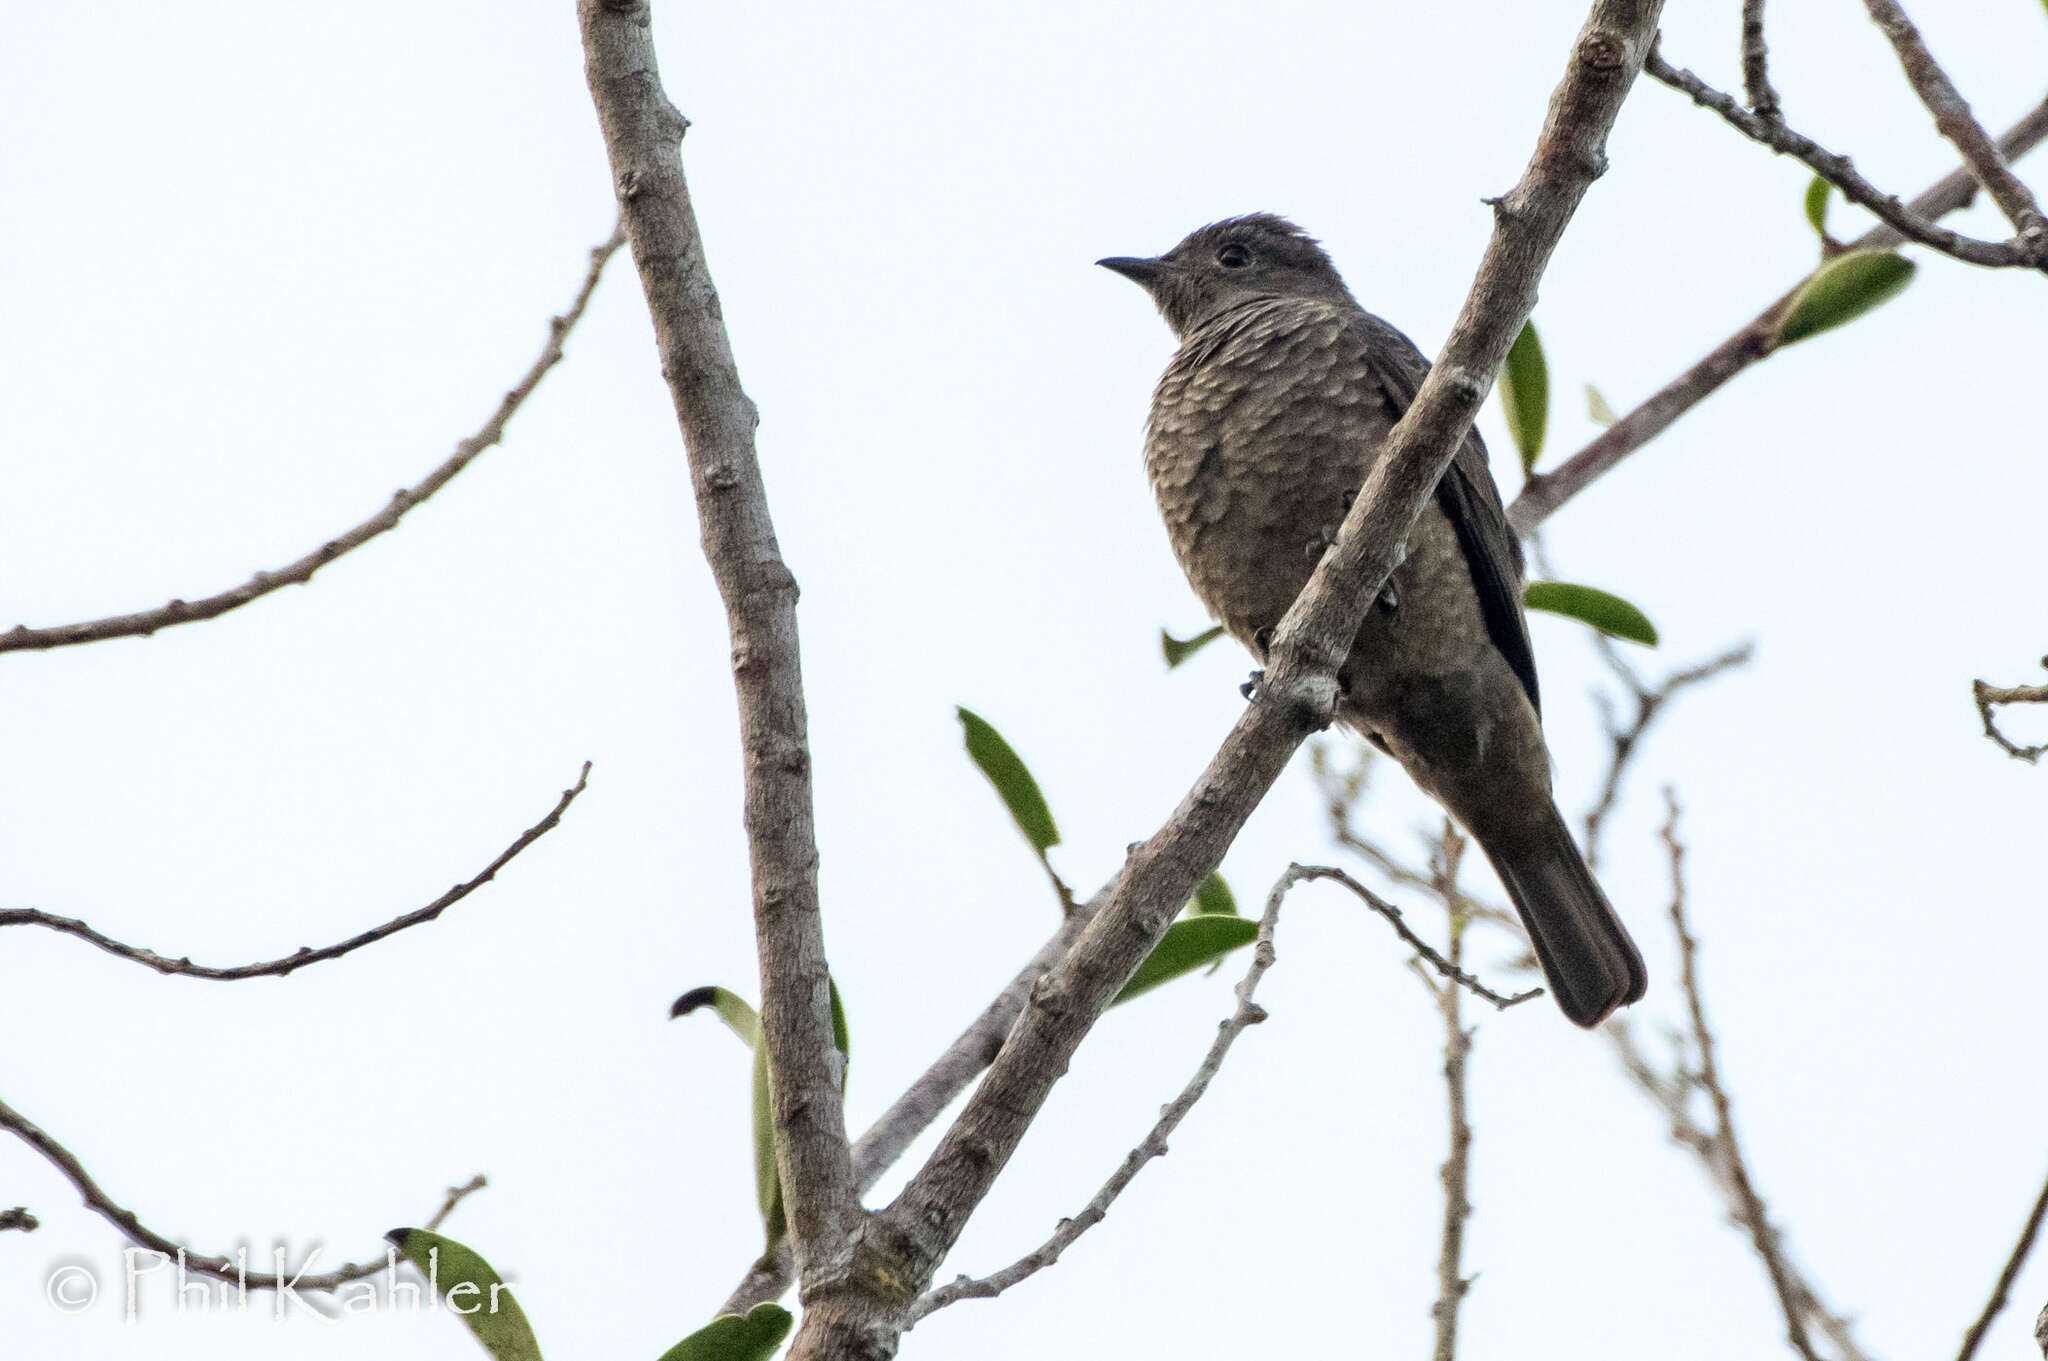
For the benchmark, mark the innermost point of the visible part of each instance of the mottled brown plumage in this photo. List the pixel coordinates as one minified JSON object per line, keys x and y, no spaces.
{"x":1263,"y":428}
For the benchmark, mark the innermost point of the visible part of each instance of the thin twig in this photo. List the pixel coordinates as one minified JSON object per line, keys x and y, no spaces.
{"x":1542,"y":494}
{"x":2021,"y":252}
{"x":456,"y":1195}
{"x":220,"y":1268}
{"x":1756,"y":57}
{"x":1953,"y":117}
{"x":1650,"y":702}
{"x":1990,"y":696}
{"x":22,"y":638}
{"x":1749,"y":1206}
{"x":300,"y":958}
{"x":1444,"y":967}
{"x":2006,"y":1277}
{"x":1247,"y":1014}
{"x":19,"y":1218}
{"x":1452,"y":1283}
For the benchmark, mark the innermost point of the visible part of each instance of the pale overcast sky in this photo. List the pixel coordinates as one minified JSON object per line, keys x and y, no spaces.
{"x":267,"y":263}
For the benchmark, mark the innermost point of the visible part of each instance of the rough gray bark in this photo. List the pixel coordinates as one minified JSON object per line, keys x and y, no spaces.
{"x":642,"y":132}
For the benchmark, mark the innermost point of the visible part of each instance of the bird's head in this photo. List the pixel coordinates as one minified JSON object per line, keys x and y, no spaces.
{"x":1228,"y":262}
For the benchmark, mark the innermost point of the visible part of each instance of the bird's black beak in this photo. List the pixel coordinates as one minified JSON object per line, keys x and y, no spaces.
{"x":1142,"y":272}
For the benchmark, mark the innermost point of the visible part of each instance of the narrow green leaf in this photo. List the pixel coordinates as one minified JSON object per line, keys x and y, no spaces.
{"x":767,"y":1177}
{"x":1188,"y":945}
{"x":1012,"y":779}
{"x":732,"y":1009}
{"x":1842,"y":290}
{"x":1525,"y":394}
{"x":1817,"y":205}
{"x":753,"y":1336}
{"x":1597,"y":407}
{"x":1178,"y":650}
{"x":767,"y":1180}
{"x":1590,"y":605}
{"x":1214,"y":898}
{"x":466,"y":1282}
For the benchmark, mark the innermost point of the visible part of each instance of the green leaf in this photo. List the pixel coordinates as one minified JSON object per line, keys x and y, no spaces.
{"x":1188,"y":945}
{"x":1817,"y":205}
{"x":732,"y":1009}
{"x":1178,"y":650}
{"x":1214,"y":898}
{"x":1842,"y":290}
{"x":767,"y":1180}
{"x":753,"y":1336}
{"x":1589,"y":605}
{"x":458,"y":1275}
{"x":1525,"y":394}
{"x":1597,"y":407}
{"x":767,"y":1177}
{"x":1012,"y":779}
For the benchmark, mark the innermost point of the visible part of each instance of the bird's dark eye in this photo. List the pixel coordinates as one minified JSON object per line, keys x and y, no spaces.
{"x":1234,"y":255}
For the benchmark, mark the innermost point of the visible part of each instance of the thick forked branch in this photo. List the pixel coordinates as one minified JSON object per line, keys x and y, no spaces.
{"x":642,"y":132}
{"x":903,"y":1249}
{"x":1542,"y":494}
{"x":22,"y":638}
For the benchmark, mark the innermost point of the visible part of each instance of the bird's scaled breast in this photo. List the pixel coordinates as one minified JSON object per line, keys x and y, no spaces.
{"x":1261,"y":427}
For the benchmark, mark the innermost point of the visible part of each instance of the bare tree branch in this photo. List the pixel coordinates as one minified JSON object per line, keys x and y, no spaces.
{"x":219,"y":1268}
{"x":2022,"y":251}
{"x":1999,"y":1291}
{"x":1749,"y":1206}
{"x":1756,"y":80}
{"x":456,"y":1195}
{"x":965,"y":1059}
{"x":642,"y":133}
{"x":300,"y":958}
{"x":917,"y":1229}
{"x":1248,"y":1013}
{"x":1543,"y":493}
{"x":1989,"y":697}
{"x":22,"y":638}
{"x":1649,"y":702}
{"x":19,"y":1218}
{"x":1953,"y":117}
{"x":1446,"y":967}
{"x":1452,"y":1284}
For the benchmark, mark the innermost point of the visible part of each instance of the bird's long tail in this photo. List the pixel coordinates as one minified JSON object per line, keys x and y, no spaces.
{"x":1587,"y":956}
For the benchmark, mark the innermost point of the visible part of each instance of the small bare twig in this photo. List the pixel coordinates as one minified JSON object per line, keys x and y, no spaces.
{"x":220,"y":1268}
{"x":22,"y":638}
{"x":1756,"y":80}
{"x":19,"y":1218}
{"x":1248,"y":1013}
{"x":1452,"y":1283}
{"x":2022,"y":251}
{"x":1749,"y":1206}
{"x":1953,"y":117}
{"x":1649,"y":701}
{"x":1421,"y":947}
{"x":1543,"y":493}
{"x":2006,"y":1277}
{"x":304,"y":955}
{"x":1990,"y":697}
{"x":456,"y":1195}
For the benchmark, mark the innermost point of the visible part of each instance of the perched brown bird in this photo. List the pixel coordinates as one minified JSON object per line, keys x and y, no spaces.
{"x":1263,"y":429}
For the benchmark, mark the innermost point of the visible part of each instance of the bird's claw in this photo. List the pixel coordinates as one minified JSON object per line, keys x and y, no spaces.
{"x":1250,"y":688}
